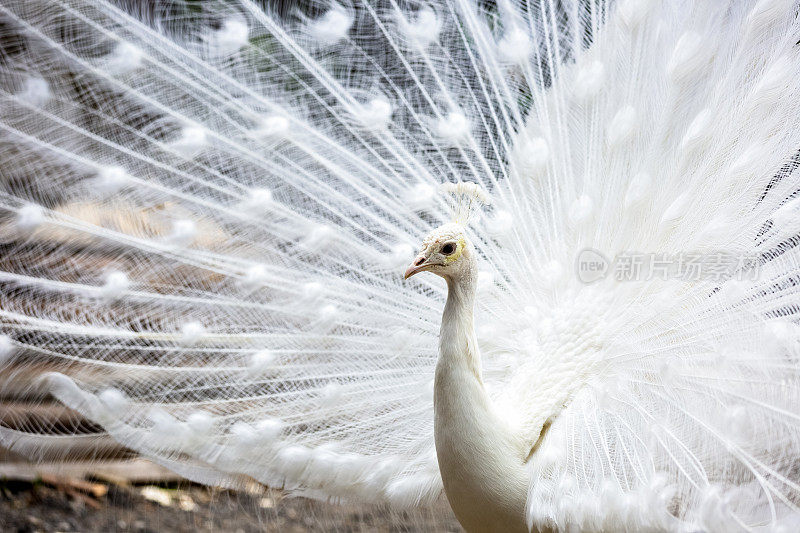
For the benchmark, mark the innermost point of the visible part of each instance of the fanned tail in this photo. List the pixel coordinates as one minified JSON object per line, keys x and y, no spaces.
{"x":654,"y":346}
{"x":206,"y":211}
{"x":206,"y":214}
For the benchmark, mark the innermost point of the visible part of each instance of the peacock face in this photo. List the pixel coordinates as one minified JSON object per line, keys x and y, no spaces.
{"x":441,"y":253}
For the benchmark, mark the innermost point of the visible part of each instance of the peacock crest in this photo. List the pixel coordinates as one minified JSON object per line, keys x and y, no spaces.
{"x":464,"y":199}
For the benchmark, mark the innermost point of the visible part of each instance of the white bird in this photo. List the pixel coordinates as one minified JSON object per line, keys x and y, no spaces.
{"x":481,"y":458}
{"x":206,"y":210}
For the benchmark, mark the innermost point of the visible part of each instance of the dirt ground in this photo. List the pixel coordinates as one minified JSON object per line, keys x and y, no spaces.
{"x":27,"y":507}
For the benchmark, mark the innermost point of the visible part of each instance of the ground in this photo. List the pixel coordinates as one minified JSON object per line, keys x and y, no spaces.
{"x":28,"y":507}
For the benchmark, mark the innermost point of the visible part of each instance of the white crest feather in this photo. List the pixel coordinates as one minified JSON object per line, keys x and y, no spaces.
{"x":464,"y":198}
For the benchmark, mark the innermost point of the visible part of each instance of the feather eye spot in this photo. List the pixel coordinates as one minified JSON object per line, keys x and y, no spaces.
{"x":110,"y":180}
{"x":311,"y":291}
{"x":320,"y":236}
{"x":699,"y":130}
{"x":500,"y":223}
{"x":375,"y":114}
{"x":30,"y":217}
{"x":325,"y":318}
{"x":331,"y":394}
{"x":192,"y":333}
{"x":123,"y":59}
{"x":35,"y":92}
{"x":767,"y":13}
{"x":114,"y":400}
{"x":116,"y":284}
{"x":192,"y":140}
{"x":422,"y":30}
{"x":581,"y":209}
{"x":399,"y":257}
{"x":200,"y":423}
{"x":183,"y":233}
{"x":243,"y":434}
{"x":633,"y":12}
{"x":622,"y":126}
{"x":420,"y":197}
{"x":515,"y":46}
{"x":261,"y":361}
{"x":294,"y":460}
{"x":637,"y":189}
{"x":688,"y":56}
{"x":452,"y":128}
{"x":589,"y":81}
{"x":229,"y":38}
{"x":534,"y":155}
{"x":331,"y":27}
{"x":270,"y":127}
{"x":269,"y":429}
{"x":258,"y":202}
{"x":552,"y":272}
{"x":255,"y":276}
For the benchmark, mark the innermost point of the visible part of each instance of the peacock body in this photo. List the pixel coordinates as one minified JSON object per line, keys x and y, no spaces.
{"x":206,"y":211}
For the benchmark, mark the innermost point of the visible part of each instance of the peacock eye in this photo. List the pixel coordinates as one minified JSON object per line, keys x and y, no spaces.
{"x":448,"y":248}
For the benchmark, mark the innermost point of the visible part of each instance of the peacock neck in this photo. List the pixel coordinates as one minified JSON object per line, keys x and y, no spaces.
{"x":480,"y":459}
{"x":457,"y":341}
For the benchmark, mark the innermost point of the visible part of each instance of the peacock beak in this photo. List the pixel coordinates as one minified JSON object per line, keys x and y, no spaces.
{"x":418,"y":265}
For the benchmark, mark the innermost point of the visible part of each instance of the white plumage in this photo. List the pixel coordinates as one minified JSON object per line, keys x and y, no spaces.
{"x":206,"y":210}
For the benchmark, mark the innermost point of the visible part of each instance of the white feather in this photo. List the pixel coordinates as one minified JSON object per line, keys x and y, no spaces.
{"x":110,"y":180}
{"x":124,"y":59}
{"x":191,"y":333}
{"x":331,"y":27}
{"x":229,"y":38}
{"x":115,"y":285}
{"x":422,"y":30}
{"x":35,"y":91}
{"x":30,"y":216}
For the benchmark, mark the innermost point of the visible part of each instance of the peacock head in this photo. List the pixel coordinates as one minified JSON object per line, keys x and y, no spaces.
{"x":445,"y":251}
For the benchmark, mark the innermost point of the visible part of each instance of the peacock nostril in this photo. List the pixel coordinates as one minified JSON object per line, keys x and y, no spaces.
{"x":419,"y":261}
